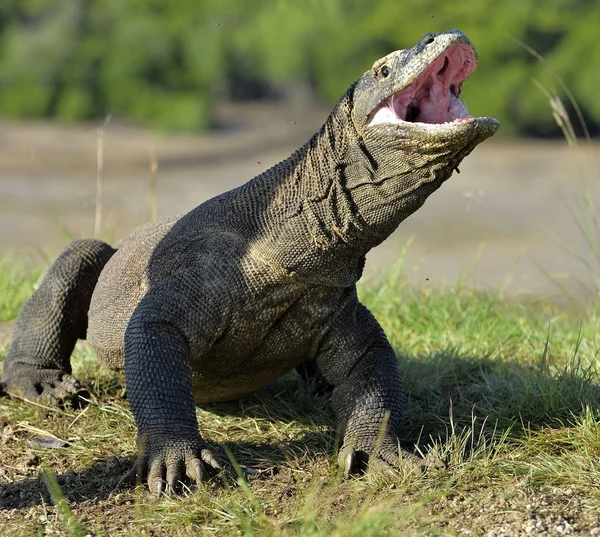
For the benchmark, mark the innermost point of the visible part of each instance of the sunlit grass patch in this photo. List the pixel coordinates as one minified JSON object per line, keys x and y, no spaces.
{"x":505,"y":393}
{"x":17,"y":282}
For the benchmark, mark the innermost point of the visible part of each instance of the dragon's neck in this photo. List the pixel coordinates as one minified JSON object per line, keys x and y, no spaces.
{"x":309,"y":223}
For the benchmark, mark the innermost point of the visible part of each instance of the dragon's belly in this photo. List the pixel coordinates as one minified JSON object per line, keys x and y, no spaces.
{"x":261,"y":345}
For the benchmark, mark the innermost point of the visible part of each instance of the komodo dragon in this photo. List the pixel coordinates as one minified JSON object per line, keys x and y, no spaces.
{"x":212,"y":305}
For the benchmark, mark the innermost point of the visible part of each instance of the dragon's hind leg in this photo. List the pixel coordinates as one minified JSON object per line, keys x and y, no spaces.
{"x":37,"y":366}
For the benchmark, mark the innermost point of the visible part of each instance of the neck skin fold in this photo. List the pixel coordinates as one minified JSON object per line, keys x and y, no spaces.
{"x":323,"y":208}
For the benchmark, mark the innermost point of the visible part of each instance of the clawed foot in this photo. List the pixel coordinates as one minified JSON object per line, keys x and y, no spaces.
{"x":46,"y":386}
{"x":168,"y":464}
{"x":387,"y":461}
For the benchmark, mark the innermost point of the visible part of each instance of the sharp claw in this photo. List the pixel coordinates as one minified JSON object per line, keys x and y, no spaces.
{"x":171,"y":482}
{"x":169,"y":465}
{"x":355,"y":462}
{"x":70,"y":384}
{"x":209,"y":459}
{"x":348,"y":463}
{"x":194,"y":471}
{"x":156,"y":483}
{"x":160,"y":487}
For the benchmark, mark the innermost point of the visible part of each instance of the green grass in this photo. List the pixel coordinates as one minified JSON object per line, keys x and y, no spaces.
{"x":506,"y":392}
{"x":16,"y":285}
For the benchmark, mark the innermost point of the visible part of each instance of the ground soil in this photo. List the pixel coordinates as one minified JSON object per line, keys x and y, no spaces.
{"x":103,"y":504}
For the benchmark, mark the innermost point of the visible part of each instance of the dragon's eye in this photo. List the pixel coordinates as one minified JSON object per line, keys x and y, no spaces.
{"x":384,"y":71}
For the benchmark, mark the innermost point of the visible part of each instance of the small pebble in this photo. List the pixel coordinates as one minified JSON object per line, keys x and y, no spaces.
{"x":47,"y":442}
{"x":253,"y":471}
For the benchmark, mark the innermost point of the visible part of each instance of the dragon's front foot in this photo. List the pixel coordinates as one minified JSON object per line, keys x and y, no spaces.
{"x":39,"y":385}
{"x":169,"y":461}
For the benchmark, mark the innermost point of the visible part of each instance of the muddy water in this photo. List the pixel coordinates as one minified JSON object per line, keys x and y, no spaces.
{"x":509,"y":218}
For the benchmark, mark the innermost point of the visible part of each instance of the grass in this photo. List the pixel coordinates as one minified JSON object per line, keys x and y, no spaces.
{"x":16,"y":285}
{"x":506,"y":392}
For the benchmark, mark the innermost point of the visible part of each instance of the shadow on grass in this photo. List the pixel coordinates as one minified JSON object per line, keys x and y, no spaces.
{"x":445,"y":391}
{"x":96,"y":482}
{"x":104,"y":477}
{"x":288,"y":399}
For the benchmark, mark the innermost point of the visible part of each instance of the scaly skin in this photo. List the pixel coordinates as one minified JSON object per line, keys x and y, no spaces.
{"x":212,"y":305}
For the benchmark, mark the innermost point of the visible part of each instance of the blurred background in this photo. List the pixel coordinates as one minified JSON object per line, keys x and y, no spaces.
{"x":165,"y":104}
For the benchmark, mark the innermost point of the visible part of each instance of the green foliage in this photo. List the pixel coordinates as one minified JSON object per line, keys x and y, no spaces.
{"x":163,"y":63}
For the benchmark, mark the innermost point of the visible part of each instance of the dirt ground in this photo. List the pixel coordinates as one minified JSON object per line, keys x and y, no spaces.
{"x":105,"y":506}
{"x":509,"y":217}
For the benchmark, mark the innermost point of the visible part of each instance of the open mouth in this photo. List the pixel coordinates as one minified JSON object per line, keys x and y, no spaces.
{"x":433,"y":97}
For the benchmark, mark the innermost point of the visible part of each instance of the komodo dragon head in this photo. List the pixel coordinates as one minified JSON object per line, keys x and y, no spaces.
{"x":409,"y":100}
{"x":412,"y":129}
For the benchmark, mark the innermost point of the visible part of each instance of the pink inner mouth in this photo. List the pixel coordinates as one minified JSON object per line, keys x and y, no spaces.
{"x":433,"y":96}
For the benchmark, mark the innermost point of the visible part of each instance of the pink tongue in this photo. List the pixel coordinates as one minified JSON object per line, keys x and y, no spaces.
{"x":434,"y":108}
{"x":436,"y":105}
{"x":456,"y":110}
